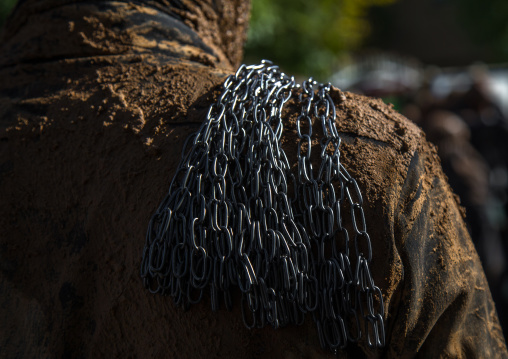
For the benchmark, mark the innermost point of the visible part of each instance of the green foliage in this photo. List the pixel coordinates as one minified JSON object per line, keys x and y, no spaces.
{"x":307,"y":37}
{"x":6,"y":7}
{"x":487,"y":23}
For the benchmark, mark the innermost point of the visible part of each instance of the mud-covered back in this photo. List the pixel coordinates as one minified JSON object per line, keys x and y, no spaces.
{"x":93,"y":117}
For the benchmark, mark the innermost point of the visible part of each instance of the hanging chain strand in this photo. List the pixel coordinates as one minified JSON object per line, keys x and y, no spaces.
{"x":228,"y":221}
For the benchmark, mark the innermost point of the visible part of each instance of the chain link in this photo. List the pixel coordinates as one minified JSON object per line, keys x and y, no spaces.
{"x":228,"y":221}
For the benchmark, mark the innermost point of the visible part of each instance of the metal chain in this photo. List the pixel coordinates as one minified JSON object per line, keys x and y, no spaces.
{"x":228,"y":220}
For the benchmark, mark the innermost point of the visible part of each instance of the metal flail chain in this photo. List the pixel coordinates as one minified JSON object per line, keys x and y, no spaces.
{"x":228,"y":221}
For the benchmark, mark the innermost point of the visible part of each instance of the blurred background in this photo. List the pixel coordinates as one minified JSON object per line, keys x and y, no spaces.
{"x":441,"y":63}
{"x":5,"y":8}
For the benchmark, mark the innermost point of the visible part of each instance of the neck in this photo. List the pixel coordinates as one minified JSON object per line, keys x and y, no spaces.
{"x":61,"y":29}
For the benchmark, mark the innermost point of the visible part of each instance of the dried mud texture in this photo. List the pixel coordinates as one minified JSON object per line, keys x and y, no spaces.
{"x":209,"y":32}
{"x":88,"y":144}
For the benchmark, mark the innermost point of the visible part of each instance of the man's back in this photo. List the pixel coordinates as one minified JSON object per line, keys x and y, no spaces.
{"x":92,"y":125}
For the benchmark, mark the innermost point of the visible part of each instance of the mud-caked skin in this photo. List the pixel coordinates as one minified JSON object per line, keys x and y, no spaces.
{"x":96,"y":100}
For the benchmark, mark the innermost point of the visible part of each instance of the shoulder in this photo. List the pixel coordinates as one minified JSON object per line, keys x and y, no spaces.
{"x":372,"y":119}
{"x":380,"y":145}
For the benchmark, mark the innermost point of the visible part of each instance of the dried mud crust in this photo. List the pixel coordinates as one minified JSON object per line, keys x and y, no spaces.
{"x":87,"y":149}
{"x":99,"y":27}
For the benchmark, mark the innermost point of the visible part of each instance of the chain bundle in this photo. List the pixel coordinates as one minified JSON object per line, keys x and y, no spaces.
{"x":229,"y":221}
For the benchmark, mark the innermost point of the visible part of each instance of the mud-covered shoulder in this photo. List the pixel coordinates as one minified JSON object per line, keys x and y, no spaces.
{"x":368,"y":125}
{"x":369,"y":117}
